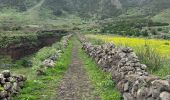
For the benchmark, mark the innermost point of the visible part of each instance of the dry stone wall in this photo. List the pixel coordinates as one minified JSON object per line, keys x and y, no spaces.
{"x":131,"y":77}
{"x":50,"y":62}
{"x":10,"y":84}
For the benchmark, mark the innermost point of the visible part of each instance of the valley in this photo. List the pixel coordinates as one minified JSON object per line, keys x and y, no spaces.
{"x":84,"y":50}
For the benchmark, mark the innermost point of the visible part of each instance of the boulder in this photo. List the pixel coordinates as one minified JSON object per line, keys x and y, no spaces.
{"x":3,"y":94}
{"x":7,"y":86}
{"x":6,"y":73}
{"x":165,"y":96}
{"x":127,"y":50}
{"x":49,"y":63}
{"x":10,"y":84}
{"x":127,"y":96}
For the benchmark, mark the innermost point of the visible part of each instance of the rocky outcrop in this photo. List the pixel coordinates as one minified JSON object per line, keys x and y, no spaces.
{"x":131,"y":77}
{"x":10,"y":84}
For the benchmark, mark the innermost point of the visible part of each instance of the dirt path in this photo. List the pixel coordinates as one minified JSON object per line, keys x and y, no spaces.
{"x":36,"y":6}
{"x":76,"y":84}
{"x":33,"y":13}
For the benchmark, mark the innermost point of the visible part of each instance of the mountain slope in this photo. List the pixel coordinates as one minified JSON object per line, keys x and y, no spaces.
{"x":145,"y":7}
{"x":108,"y":8}
{"x":84,"y":8}
{"x":20,"y":5}
{"x":93,"y":8}
{"x":38,"y":5}
{"x":163,"y":16}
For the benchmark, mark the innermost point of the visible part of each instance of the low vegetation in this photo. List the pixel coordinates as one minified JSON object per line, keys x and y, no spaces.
{"x":133,"y":27}
{"x":152,"y":52}
{"x":6,"y":39}
{"x":20,"y":5}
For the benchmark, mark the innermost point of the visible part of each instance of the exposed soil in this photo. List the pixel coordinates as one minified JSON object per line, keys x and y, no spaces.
{"x":17,"y":52}
{"x":76,"y":84}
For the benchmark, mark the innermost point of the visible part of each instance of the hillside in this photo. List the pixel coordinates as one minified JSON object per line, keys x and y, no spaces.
{"x":144,"y":7}
{"x":108,"y":8}
{"x":93,"y":8}
{"x":163,"y":16}
{"x":20,"y":5}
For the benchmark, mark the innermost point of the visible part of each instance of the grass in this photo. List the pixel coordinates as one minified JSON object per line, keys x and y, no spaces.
{"x":44,"y":87}
{"x":101,"y":80}
{"x":21,"y":70}
{"x":152,"y":52}
{"x":150,"y":57}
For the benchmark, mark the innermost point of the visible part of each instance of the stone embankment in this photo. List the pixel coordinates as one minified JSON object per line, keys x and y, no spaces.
{"x":10,"y":84}
{"x":131,"y":77}
{"x":50,"y":62}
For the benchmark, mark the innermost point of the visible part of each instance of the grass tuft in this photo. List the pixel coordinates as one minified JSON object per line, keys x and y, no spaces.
{"x":150,"y":57}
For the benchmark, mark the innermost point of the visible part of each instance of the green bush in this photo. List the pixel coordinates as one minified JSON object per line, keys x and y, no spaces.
{"x":24,"y":63}
{"x":145,"y":33}
{"x":153,"y":32}
{"x":159,"y":29}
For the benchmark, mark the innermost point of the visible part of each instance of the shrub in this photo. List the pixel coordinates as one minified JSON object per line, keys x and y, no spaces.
{"x":159,"y":29}
{"x":145,"y":33}
{"x":96,"y":41}
{"x":153,"y":31}
{"x":24,"y":63}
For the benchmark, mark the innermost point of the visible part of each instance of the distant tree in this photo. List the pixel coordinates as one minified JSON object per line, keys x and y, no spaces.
{"x":159,"y":29}
{"x":145,"y":33}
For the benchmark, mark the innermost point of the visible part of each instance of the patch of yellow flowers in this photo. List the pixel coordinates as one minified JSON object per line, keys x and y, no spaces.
{"x":161,"y":46}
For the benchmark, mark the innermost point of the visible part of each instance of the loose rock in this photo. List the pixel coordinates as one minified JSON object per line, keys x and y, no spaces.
{"x":10,"y":84}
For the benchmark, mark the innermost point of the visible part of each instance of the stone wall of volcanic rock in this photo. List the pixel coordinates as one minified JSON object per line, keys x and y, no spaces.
{"x":10,"y":84}
{"x":131,"y":77}
{"x":50,"y":62}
